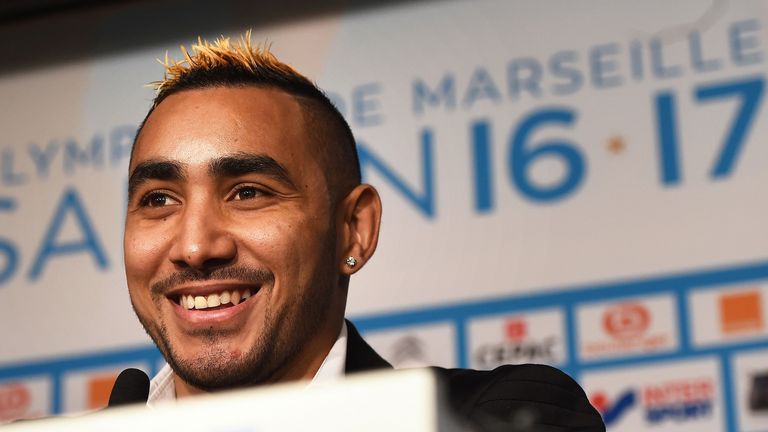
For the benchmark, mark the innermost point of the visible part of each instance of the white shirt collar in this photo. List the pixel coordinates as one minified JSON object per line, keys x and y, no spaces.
{"x":162,"y":387}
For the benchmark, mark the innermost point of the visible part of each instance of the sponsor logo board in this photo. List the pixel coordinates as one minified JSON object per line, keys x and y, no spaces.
{"x":750,"y":378}
{"x":679,"y":396}
{"x":416,"y":346}
{"x":524,"y":337}
{"x":25,"y":399}
{"x":627,"y":327}
{"x":729,"y":314}
{"x":87,"y":390}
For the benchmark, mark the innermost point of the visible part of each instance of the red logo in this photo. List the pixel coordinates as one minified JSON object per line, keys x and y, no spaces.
{"x":14,"y":401}
{"x":515,"y":329}
{"x":626,"y":320}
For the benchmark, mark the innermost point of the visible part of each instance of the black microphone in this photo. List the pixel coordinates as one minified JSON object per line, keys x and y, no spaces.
{"x":131,"y":386}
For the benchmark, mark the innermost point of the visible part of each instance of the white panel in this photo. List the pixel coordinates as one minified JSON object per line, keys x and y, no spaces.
{"x":713,"y":324}
{"x":626,"y":327}
{"x":415,"y":346}
{"x":670,"y":397}
{"x":529,"y":337}
{"x":25,"y":398}
{"x":750,"y":376}
{"x":83,"y":388}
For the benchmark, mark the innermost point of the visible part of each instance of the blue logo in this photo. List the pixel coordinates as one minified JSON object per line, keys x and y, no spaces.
{"x":613,"y":411}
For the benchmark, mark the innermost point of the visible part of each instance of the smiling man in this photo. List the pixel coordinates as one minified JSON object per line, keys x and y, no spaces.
{"x":246,"y":219}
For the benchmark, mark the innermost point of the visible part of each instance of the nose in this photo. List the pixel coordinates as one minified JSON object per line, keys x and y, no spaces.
{"x":202,"y":241}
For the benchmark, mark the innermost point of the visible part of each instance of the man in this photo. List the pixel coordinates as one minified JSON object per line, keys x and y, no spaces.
{"x":246,"y":219}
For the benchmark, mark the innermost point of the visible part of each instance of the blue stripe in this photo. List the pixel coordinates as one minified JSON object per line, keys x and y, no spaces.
{"x":56,"y":404}
{"x":650,"y":358}
{"x":684,"y":317}
{"x":145,"y":353}
{"x":462,"y":348}
{"x":728,"y":393}
{"x":572,"y":337}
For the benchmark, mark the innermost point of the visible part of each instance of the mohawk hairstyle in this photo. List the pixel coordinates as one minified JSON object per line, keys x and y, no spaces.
{"x":224,"y":63}
{"x":222,"y":52}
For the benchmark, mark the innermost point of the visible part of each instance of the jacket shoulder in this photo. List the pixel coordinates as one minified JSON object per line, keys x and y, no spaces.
{"x":527,"y":397}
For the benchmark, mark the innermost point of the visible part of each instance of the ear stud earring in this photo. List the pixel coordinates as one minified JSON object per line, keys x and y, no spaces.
{"x":351,"y":261}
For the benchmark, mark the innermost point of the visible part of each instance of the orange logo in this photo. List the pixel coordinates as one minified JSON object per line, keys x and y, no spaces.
{"x":741,"y":312}
{"x":99,"y":389}
{"x":626,"y":320}
{"x":14,"y":401}
{"x":515,"y":329}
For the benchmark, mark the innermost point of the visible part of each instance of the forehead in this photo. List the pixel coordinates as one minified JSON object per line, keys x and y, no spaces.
{"x":195,"y":126}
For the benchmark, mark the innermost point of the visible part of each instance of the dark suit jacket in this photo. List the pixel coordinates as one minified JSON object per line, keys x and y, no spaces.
{"x":521,"y":398}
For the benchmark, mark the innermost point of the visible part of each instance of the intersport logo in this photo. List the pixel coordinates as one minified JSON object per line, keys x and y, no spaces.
{"x":668,"y":401}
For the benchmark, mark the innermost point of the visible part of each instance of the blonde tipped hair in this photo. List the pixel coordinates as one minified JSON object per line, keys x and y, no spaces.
{"x":221,"y":53}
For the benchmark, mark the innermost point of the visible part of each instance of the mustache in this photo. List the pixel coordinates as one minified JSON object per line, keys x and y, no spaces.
{"x":247,"y":275}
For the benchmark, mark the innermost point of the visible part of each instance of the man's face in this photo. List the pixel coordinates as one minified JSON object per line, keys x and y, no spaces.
{"x":228,"y":199}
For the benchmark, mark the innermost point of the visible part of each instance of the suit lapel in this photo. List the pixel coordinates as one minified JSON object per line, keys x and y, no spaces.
{"x":360,"y":356}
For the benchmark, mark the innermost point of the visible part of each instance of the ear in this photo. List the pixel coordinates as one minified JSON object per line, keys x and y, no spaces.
{"x":359,"y":217}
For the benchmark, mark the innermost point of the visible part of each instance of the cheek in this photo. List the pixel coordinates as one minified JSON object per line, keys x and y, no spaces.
{"x":284,"y":244}
{"x":270,"y":242}
{"x":144,"y":253}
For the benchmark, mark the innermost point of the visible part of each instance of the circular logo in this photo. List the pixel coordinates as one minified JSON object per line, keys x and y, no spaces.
{"x":626,"y":320}
{"x":14,"y":401}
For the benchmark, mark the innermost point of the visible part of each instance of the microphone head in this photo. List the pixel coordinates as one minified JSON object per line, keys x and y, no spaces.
{"x":131,"y":386}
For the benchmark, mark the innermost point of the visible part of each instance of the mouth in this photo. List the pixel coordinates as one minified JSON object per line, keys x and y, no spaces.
{"x":215,"y":300}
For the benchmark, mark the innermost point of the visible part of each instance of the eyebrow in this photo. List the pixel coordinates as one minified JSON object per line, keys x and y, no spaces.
{"x":154,"y":170}
{"x":237,"y":164}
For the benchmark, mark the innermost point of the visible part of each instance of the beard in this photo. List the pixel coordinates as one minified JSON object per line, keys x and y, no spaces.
{"x":214,"y":368}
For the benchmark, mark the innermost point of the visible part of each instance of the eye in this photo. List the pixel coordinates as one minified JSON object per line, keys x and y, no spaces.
{"x":247,"y":192}
{"x":157,"y":199}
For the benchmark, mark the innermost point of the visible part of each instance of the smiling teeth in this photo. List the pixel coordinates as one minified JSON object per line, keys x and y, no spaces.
{"x":200,"y":302}
{"x":212,"y":300}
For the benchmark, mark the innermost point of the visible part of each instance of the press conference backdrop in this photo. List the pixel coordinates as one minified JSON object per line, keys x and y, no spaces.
{"x":581,"y":184}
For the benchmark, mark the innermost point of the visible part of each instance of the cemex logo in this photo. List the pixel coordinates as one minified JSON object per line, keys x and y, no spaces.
{"x":518,"y":346}
{"x":667,"y":401}
{"x":14,"y":401}
{"x":741,"y":312}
